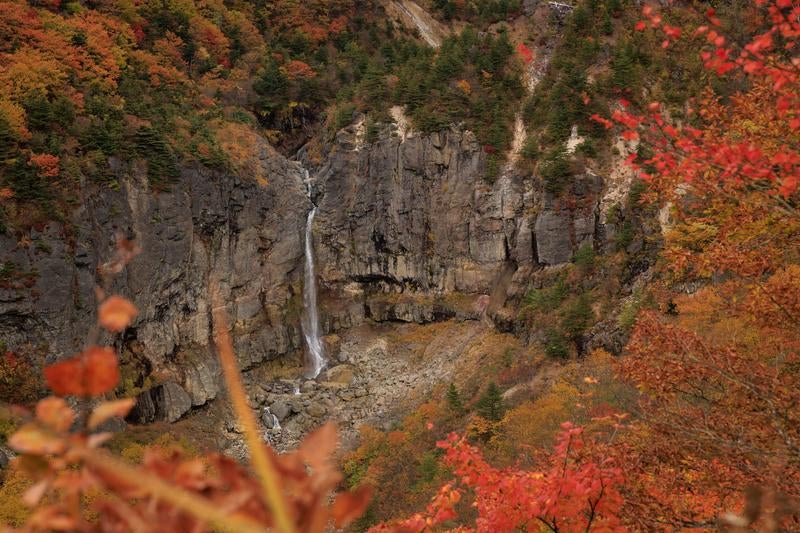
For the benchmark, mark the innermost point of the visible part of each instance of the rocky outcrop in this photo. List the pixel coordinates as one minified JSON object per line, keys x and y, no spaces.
{"x":167,"y":402}
{"x":408,"y":231}
{"x":413,"y":214}
{"x":563,"y":226}
{"x":208,"y":229}
{"x":416,"y":212}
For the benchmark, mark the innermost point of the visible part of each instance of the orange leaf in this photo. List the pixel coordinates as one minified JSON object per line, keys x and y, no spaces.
{"x":350,"y":505}
{"x":107,"y":410}
{"x":116,"y":313}
{"x":31,"y":439}
{"x":91,"y":373}
{"x":55,"y":413}
{"x":317,"y":448}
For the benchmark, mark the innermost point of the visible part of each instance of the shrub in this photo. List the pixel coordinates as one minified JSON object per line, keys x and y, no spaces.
{"x":20,"y":381}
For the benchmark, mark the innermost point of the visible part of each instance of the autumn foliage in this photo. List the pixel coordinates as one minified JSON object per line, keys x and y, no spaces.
{"x":718,"y":374}
{"x":577,"y":491}
{"x":713,"y":436}
{"x":713,"y":441}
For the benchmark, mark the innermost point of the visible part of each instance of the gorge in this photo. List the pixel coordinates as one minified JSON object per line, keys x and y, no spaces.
{"x":536,"y":263}
{"x":400,"y":231}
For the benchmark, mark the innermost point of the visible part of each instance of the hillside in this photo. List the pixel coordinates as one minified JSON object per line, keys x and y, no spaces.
{"x":537,"y":261}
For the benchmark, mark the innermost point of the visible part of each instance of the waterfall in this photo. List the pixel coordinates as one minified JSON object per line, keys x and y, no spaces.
{"x":310,"y":321}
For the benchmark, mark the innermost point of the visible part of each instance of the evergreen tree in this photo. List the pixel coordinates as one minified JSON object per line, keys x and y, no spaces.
{"x":490,"y":405}
{"x":623,"y":65}
{"x":554,"y":345}
{"x":577,"y":318}
{"x":501,"y":49}
{"x":373,"y":85}
{"x":162,"y":165}
{"x":454,"y":400}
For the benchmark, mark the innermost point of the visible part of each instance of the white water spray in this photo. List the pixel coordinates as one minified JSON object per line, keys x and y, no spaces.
{"x":310,"y":321}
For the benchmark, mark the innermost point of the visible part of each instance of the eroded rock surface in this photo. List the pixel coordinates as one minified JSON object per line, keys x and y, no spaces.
{"x":413,"y":215}
{"x":208,"y":230}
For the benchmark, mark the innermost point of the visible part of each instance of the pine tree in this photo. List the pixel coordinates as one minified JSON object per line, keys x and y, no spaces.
{"x":162,"y":167}
{"x":374,"y":86}
{"x":577,"y":318}
{"x":454,"y":400}
{"x":490,"y":406}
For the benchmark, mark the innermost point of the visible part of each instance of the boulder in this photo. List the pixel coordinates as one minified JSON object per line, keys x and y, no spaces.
{"x":269,"y":420}
{"x":280,"y":409}
{"x":167,"y":402}
{"x":317,"y":410}
{"x":340,"y":374}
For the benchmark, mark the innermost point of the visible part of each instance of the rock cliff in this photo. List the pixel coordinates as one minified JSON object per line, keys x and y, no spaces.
{"x":413,"y":214}
{"x":208,"y":228}
{"x":408,"y":230}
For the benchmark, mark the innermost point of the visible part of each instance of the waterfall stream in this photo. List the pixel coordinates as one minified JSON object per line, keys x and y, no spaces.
{"x":310,"y":320}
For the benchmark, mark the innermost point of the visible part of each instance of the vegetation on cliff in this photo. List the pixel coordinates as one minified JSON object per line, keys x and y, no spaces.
{"x":694,"y":425}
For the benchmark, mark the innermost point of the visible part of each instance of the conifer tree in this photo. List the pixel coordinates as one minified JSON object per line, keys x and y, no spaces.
{"x":490,"y":406}
{"x":454,"y":400}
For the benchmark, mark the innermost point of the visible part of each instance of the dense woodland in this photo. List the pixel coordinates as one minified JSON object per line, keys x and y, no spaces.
{"x":694,"y":425}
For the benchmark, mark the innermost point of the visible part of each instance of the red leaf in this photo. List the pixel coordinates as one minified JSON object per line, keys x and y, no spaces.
{"x":630,"y":135}
{"x":525,"y":52}
{"x":91,"y":373}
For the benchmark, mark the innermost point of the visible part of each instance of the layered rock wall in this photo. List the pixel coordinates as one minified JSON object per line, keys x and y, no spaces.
{"x":209,"y":229}
{"x":414,"y":214}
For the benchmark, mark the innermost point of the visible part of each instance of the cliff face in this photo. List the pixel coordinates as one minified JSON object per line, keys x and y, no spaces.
{"x":408,"y":230}
{"x":413,"y":215}
{"x":209,"y":229}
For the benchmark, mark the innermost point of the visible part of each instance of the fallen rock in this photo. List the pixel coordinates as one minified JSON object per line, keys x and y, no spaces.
{"x":340,"y":374}
{"x":317,"y":410}
{"x":280,"y":410}
{"x":269,"y":420}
